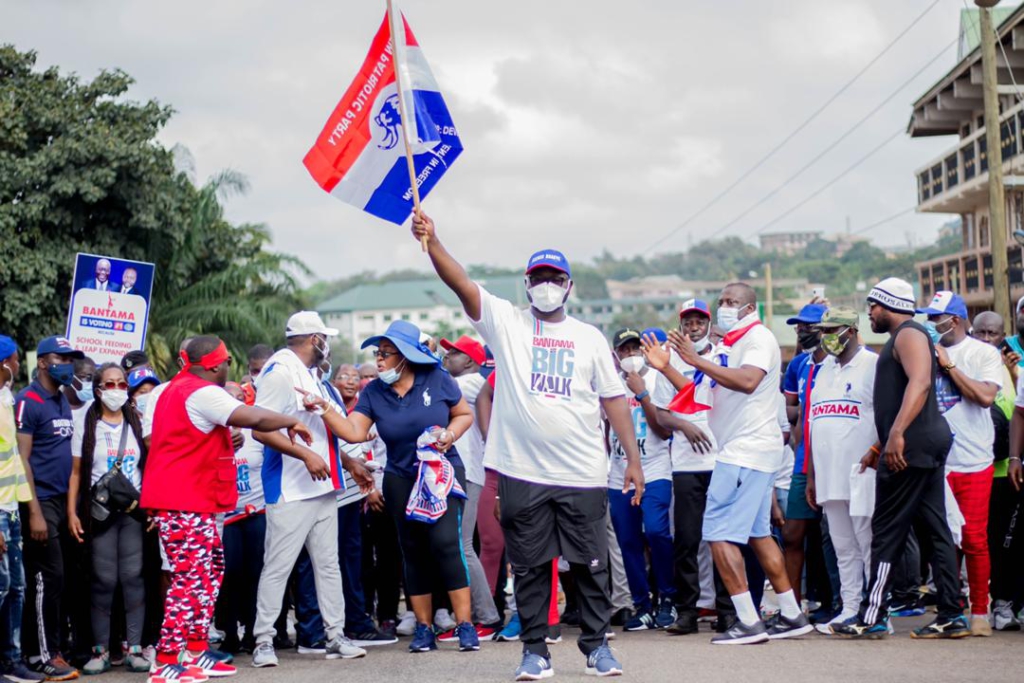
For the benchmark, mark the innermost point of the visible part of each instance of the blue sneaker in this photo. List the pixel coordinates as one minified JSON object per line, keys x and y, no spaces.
{"x":666,"y":615}
{"x":423,"y":639}
{"x":511,"y":631}
{"x":468,"y":639}
{"x":601,"y":662}
{"x":534,"y":668}
{"x":856,"y":629}
{"x":641,"y":620}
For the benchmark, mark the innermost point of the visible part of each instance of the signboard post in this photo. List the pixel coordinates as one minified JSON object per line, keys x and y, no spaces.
{"x":109,"y":309}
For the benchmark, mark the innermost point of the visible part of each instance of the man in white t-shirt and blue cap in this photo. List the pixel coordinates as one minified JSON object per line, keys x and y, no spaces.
{"x":546,"y":442}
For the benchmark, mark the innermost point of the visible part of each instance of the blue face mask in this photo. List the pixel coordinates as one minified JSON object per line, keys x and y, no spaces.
{"x":391,"y":376}
{"x":62,"y":373}
{"x":85,"y":393}
{"x":933,"y":331}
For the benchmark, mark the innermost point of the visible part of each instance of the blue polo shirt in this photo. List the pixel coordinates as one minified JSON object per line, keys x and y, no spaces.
{"x":401,"y":420}
{"x":47,"y":419}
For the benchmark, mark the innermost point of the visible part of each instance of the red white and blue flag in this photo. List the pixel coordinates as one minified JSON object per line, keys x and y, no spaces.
{"x":359,"y":157}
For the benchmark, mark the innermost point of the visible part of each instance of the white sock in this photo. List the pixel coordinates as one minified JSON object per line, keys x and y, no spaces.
{"x":745,"y":610}
{"x":788,"y":604}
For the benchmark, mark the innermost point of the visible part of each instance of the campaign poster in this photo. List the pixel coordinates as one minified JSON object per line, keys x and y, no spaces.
{"x":109,"y":306}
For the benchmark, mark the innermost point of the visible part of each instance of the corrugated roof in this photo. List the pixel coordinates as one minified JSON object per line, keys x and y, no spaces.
{"x":415,"y":294}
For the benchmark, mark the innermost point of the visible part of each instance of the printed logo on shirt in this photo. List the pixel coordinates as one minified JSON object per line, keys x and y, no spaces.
{"x":842,"y":408}
{"x":639,"y":428}
{"x":946,"y":393}
{"x":244,"y":485}
{"x":426,"y":397}
{"x":554,"y":362}
{"x":62,"y":427}
{"x":130,"y":455}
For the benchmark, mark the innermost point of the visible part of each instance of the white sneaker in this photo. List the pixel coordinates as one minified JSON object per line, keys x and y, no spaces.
{"x":1003,"y":618}
{"x":264,"y":655}
{"x":343,"y":648}
{"x":826,"y":629}
{"x":443,"y":621}
{"x":406,"y":625}
{"x":149,"y":652}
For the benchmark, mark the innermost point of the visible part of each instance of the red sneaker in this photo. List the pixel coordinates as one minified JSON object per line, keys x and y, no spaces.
{"x":175,"y":673}
{"x":206,"y":664}
{"x":448,"y":637}
{"x":485,"y":632}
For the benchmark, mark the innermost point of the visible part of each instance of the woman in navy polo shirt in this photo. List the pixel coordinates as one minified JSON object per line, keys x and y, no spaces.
{"x":411,"y":394}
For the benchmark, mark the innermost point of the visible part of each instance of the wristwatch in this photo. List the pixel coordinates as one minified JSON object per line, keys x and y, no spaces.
{"x":949,"y":366}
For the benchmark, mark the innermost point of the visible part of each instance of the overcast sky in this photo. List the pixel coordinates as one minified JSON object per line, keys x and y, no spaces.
{"x":587,"y":124}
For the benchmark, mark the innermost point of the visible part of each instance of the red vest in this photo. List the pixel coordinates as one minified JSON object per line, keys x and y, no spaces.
{"x":186,"y":470}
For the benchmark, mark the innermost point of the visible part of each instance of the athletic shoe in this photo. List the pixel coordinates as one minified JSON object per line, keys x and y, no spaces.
{"x":221,"y":656}
{"x":685,"y":624}
{"x":484,"y":632}
{"x":99,"y":663}
{"x":283,"y":642}
{"x":423,"y":640}
{"x":554,"y":634}
{"x":666,"y":615}
{"x":854,"y":628}
{"x":601,"y":662}
{"x":781,"y":627}
{"x":264,"y":655}
{"x":725,"y":622}
{"x":822,"y":615}
{"x":534,"y":668}
{"x":511,"y":631}
{"x":741,"y":634}
{"x":910,"y":607}
{"x":956,"y":627}
{"x":215,"y":635}
{"x":389,"y":628}
{"x":406,"y":625}
{"x":469,"y":641}
{"x":117,"y":656}
{"x":1003,"y":618}
{"x":149,"y":652}
{"x":208,"y":664}
{"x":642,"y":620}
{"x":173,"y":673}
{"x":18,"y":672}
{"x":826,"y":629}
{"x":136,"y":662}
{"x":371,"y":639}
{"x":341,"y":647}
{"x":980,"y":625}
{"x":317,"y":648}
{"x":443,"y":620}
{"x":56,"y":669}
{"x":708,"y":615}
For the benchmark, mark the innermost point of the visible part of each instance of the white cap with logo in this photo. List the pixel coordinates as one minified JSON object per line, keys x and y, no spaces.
{"x":308,"y":322}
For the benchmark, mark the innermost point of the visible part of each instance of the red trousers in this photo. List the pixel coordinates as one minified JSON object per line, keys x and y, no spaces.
{"x":973,"y":491}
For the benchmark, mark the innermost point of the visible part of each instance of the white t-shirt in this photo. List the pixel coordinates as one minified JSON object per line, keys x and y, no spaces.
{"x":276,"y":391}
{"x":471,"y":445}
{"x":553,"y":375}
{"x":684,"y":457}
{"x":147,"y":417}
{"x":973,"y":431}
{"x":104,"y":454}
{"x":210,"y":407}
{"x":248,"y":462}
{"x":747,"y":425}
{"x":784,"y":475}
{"x":842,"y":421}
{"x":654,"y":451}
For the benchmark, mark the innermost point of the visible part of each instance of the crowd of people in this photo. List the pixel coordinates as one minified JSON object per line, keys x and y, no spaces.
{"x":657,"y":481}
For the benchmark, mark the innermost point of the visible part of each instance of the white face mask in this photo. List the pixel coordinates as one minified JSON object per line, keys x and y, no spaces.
{"x":704,"y":342}
{"x":547,"y":297}
{"x":632,"y":364}
{"x":10,"y":379}
{"x":391,"y":376}
{"x":114,"y":399}
{"x":728,"y":317}
{"x":141,"y":402}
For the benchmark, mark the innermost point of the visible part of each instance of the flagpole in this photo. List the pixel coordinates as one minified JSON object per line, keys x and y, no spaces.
{"x":392,"y":19}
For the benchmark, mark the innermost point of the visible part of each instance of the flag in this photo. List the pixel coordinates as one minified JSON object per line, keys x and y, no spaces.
{"x":359,"y":156}
{"x":697,"y":395}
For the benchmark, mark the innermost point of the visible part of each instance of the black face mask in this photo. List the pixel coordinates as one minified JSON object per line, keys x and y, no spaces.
{"x":809,"y":339}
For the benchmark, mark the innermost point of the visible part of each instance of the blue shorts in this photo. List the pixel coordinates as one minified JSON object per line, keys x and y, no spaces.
{"x":739,"y":504}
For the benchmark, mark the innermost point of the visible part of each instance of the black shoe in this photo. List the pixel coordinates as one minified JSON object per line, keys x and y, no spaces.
{"x":725,"y":622}
{"x":621,"y":617}
{"x":779,"y":627}
{"x":389,"y":628}
{"x":957,"y":627}
{"x":741,"y":634}
{"x":571,"y":618}
{"x":822,"y":615}
{"x":685,"y":624}
{"x":283,"y":642}
{"x":370,"y":638}
{"x":18,"y":671}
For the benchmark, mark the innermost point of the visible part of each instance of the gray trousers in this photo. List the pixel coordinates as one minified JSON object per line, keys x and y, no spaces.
{"x":621,"y":597}
{"x":117,"y":556}
{"x":484,"y":610}
{"x":290,"y":526}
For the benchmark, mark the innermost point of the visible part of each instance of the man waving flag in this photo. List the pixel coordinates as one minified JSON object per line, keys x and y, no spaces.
{"x":360,"y":155}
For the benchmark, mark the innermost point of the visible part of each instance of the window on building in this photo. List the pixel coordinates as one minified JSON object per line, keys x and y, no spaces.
{"x":966,"y":130}
{"x":967,"y":230}
{"x":367,"y":318}
{"x":406,"y":316}
{"x":983,"y":232}
{"x":387,"y":317}
{"x":424,"y":316}
{"x":457,"y":315}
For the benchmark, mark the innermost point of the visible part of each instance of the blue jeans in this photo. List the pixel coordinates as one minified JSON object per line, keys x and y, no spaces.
{"x":650,"y":521}
{"x":12,"y":587}
{"x":309,"y":627}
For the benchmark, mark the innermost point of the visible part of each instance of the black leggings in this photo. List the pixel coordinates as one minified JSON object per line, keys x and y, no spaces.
{"x":431,"y":553}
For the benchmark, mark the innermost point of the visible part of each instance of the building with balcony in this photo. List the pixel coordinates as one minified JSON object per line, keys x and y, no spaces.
{"x":957,"y":181}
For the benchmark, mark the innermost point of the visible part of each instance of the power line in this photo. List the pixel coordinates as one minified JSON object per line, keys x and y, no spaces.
{"x":889,"y":219}
{"x":835,"y":142}
{"x":714,"y":200}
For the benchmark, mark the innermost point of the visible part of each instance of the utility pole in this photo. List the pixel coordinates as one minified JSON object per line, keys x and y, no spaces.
{"x":769,"y":299}
{"x":994,"y":151}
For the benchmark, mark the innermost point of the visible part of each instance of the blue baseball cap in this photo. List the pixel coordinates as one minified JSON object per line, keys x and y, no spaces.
{"x":810,"y":314}
{"x":7,"y":347}
{"x":550,"y":258}
{"x":658,"y":333}
{"x":948,"y":303}
{"x":138,"y":377}
{"x":59,"y":345}
{"x":406,"y":338}
{"x":695,"y":306}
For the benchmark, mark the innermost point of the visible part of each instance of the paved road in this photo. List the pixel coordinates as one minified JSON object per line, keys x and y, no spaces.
{"x":653,"y":657}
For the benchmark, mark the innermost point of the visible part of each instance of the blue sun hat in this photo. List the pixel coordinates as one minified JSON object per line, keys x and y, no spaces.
{"x":406,"y":338}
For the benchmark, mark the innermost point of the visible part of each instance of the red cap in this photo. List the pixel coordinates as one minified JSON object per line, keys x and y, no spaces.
{"x":469,"y":346}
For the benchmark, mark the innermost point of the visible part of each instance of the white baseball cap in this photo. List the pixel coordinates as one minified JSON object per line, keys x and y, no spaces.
{"x":307,"y":322}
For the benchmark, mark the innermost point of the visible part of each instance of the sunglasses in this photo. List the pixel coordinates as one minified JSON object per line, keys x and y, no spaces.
{"x":112,"y":384}
{"x":384,"y":355}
